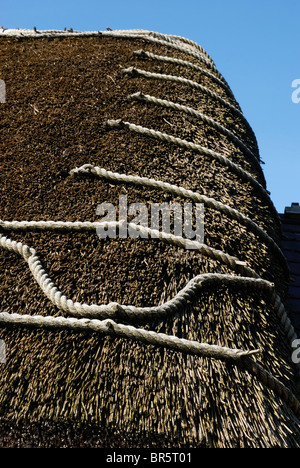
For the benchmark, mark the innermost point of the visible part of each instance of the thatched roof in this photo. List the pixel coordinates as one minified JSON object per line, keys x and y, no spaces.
{"x":66,"y":104}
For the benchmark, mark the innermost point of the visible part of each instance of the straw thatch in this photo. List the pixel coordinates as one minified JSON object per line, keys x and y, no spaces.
{"x":62,"y":388}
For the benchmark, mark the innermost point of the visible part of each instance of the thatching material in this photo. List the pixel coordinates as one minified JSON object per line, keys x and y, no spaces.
{"x":102,"y":391}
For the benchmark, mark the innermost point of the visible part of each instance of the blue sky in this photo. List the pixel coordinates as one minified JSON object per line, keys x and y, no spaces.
{"x":255,"y":45}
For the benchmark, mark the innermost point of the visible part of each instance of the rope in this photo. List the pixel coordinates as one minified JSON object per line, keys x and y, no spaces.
{"x":118,"y":311}
{"x":194,"y":113}
{"x":187,"y":145}
{"x":162,"y":58}
{"x":226,"y":259}
{"x":148,"y":36}
{"x":172,"y":42}
{"x":86,"y":226}
{"x":135,"y":72}
{"x":56,"y":226}
{"x":115,"y":310}
{"x":273,"y":383}
{"x":111,"y":328}
{"x":167,"y":41}
{"x":184,"y":193}
{"x":174,"y":39}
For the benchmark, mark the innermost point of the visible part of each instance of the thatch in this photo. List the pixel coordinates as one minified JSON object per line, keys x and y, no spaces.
{"x":62,"y":388}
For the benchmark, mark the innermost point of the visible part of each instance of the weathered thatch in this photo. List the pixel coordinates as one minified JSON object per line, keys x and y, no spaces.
{"x":73,"y":388}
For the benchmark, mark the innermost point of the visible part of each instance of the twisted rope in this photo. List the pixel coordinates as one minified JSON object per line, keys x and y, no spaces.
{"x":193,"y":49}
{"x":187,"y":145}
{"x":198,"y":115}
{"x":57,"y":226}
{"x":155,"y":38}
{"x":184,"y":193}
{"x":175,"y":39}
{"x":267,"y":379}
{"x":118,"y":311}
{"x":176,"y":61}
{"x":108,"y":327}
{"x":114,"y":310}
{"x":136,"y":72}
{"x":226,"y":259}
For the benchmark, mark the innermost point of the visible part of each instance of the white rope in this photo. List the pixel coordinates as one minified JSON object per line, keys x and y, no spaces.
{"x":188,"y":145}
{"x":184,"y":193}
{"x":198,"y":115}
{"x":57,"y":226}
{"x":175,"y":39}
{"x":119,"y":311}
{"x":116,"y":310}
{"x":233,"y":262}
{"x":113,"y":309}
{"x":176,"y":42}
{"x":136,"y":72}
{"x":163,"y":58}
{"x":108,"y":327}
{"x":149,"y":36}
{"x":156,"y":38}
{"x":169,"y":41}
{"x":111,"y":328}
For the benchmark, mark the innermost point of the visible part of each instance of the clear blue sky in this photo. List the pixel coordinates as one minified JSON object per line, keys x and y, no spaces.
{"x":254,"y":43}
